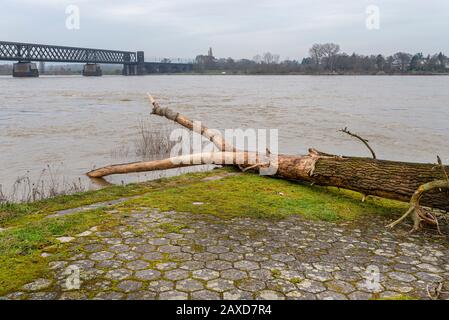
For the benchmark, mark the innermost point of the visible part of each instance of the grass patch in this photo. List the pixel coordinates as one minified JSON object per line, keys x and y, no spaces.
{"x":12,"y":213}
{"x":246,"y":195}
{"x":296,"y":280}
{"x":251,"y":195}
{"x":21,"y":247}
{"x":275,"y":273}
{"x":198,"y":248}
{"x":171,"y":228}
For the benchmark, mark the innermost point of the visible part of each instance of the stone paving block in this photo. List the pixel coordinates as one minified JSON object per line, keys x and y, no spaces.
{"x":189,"y":285}
{"x":281,"y":285}
{"x":164,"y":266}
{"x":205,"y":295}
{"x":245,"y":265}
{"x":282,"y":257}
{"x":205,"y":274}
{"x":331,"y":295}
{"x":236,"y":294}
{"x":251,"y":285}
{"x":42,"y":295}
{"x":118,"y":274}
{"x":37,"y":285}
{"x":360,"y":295}
{"x":128,"y":256}
{"x":109,"y":296}
{"x":231,"y":256}
{"x":340,"y":286}
{"x":176,"y":274}
{"x":192,"y":265}
{"x":129,"y":286}
{"x":218,"y":265}
{"x":233,"y":274}
{"x":137,"y":265}
{"x":147,"y":274}
{"x":152,"y":256}
{"x":173,"y":295}
{"x":244,"y":258}
{"x":141,"y":295}
{"x":117,"y":248}
{"x":220,"y":285}
{"x":402,"y":276}
{"x":161,"y":285}
{"x":109,"y":264}
{"x":311,"y":286}
{"x":101,"y":255}
{"x":269,"y":295}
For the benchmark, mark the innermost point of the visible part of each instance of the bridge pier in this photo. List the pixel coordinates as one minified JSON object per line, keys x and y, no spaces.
{"x":129,"y":70}
{"x":25,"y":69}
{"x":137,"y":68}
{"x":92,"y":70}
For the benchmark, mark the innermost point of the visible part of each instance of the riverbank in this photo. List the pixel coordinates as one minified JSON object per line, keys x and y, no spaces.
{"x":243,"y":73}
{"x":37,"y":235}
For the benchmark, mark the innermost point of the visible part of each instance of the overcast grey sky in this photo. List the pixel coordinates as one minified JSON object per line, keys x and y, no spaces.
{"x":237,"y":28}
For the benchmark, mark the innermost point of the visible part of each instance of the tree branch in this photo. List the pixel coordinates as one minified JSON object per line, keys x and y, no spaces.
{"x":212,"y":135}
{"x":365,"y":142}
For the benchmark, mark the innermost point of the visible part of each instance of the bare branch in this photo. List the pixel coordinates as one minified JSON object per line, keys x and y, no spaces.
{"x":365,"y":142}
{"x":211,"y":135}
{"x":218,"y":158}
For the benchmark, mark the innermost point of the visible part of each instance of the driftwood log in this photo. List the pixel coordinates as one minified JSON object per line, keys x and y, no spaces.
{"x":388,"y":179}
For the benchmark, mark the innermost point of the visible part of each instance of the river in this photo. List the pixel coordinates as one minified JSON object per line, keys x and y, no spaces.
{"x":74,"y":124}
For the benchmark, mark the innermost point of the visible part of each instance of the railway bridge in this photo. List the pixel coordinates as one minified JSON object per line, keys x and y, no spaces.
{"x":26,"y":54}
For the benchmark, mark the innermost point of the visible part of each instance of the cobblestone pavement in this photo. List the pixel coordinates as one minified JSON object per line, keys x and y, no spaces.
{"x":170,"y":255}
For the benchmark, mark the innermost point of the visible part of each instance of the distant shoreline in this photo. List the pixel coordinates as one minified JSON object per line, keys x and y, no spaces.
{"x":251,"y":74}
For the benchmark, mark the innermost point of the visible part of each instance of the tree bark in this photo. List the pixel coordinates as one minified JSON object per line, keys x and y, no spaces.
{"x":388,"y":179}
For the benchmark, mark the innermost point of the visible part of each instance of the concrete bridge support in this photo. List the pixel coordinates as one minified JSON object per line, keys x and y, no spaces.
{"x":137,"y":68}
{"x":92,"y":70}
{"x":131,"y":70}
{"x":25,"y":69}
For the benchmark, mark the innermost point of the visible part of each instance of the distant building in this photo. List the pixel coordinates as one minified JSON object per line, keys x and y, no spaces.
{"x":206,"y":61}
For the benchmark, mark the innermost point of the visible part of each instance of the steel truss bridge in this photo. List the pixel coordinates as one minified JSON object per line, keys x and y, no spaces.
{"x":15,"y":51}
{"x":133,"y":62}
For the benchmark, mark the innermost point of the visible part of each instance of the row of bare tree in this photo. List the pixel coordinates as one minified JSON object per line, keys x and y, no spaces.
{"x":328,"y":58}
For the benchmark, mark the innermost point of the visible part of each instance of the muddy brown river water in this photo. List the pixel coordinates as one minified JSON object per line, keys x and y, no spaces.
{"x":73,"y":124}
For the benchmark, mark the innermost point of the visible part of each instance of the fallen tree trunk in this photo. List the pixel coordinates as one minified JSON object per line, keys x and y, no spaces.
{"x":388,"y":179}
